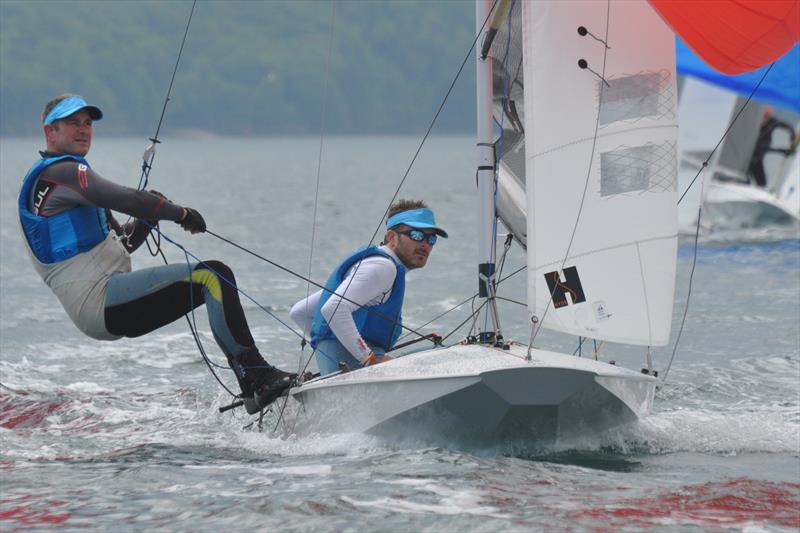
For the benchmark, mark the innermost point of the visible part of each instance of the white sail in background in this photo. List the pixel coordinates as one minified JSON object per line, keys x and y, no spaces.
{"x":600,"y":143}
{"x":704,"y":113}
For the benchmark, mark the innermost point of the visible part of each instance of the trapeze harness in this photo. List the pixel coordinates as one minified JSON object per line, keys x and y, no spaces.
{"x":65,"y":235}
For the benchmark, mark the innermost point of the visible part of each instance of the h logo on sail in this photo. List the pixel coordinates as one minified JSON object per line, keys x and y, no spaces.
{"x":571,"y":284}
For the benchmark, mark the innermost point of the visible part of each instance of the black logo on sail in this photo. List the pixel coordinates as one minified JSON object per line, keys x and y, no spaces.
{"x":559,"y":289}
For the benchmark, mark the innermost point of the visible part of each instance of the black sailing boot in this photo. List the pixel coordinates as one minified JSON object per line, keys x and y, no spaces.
{"x":261,"y":383}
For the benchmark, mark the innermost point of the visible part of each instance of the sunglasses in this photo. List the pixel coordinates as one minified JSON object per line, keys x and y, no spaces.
{"x":419,"y":235}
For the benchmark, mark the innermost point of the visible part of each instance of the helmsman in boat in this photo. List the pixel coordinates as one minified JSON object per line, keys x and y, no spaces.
{"x":769,"y":125}
{"x":83,"y":254}
{"x":356,"y":318}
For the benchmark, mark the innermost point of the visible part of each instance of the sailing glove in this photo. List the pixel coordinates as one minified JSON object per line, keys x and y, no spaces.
{"x":374,"y":359}
{"x":192,"y":221}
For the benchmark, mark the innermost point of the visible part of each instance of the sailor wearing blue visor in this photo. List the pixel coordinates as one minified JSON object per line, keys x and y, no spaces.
{"x":84,"y":255}
{"x":357,"y":317}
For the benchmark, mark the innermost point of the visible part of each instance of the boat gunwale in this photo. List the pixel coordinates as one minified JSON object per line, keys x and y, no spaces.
{"x":324,"y":382}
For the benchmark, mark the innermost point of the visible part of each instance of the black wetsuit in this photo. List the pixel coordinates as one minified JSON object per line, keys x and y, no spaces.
{"x":764,"y":145}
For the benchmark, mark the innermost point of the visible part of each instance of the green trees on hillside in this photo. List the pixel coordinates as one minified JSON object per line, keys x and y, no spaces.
{"x":248,"y":67}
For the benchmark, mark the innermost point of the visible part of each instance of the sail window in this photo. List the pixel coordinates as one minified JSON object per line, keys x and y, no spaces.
{"x":637,"y":96}
{"x":648,"y":168}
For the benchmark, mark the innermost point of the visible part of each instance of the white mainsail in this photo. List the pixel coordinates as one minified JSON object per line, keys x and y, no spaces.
{"x":601,"y":169}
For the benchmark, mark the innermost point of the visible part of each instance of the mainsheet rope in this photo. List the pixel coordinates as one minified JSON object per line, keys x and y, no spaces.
{"x":300,"y":276}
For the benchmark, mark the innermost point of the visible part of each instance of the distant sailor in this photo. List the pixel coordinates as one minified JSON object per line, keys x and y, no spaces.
{"x":357,"y":318}
{"x":769,"y":125}
{"x":83,"y":254}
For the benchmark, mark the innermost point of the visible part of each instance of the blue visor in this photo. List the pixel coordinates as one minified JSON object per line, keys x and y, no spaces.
{"x":71,"y":105}
{"x":416,"y":218}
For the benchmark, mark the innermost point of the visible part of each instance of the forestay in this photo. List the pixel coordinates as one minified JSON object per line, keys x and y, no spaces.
{"x":601,"y":169}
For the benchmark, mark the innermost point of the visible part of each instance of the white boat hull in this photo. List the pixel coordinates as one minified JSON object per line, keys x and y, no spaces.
{"x":473,"y":394}
{"x":732,"y":204}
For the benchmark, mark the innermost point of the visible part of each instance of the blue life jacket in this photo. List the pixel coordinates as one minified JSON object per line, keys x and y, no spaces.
{"x":66,"y":234}
{"x":378,"y":324}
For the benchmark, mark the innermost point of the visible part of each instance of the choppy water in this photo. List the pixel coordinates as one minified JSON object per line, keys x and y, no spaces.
{"x":126,"y":435}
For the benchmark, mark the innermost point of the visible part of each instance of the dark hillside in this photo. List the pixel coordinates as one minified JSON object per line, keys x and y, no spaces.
{"x":249,"y":67}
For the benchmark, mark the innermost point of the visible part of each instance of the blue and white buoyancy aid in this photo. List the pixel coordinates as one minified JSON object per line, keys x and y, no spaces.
{"x":380,"y":324}
{"x":65,"y":235}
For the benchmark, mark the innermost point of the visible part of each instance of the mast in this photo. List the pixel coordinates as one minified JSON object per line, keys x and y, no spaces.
{"x":488,"y":323}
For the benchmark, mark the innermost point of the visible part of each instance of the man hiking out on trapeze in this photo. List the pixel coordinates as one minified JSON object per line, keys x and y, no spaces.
{"x":356,"y":319}
{"x":83,"y":254}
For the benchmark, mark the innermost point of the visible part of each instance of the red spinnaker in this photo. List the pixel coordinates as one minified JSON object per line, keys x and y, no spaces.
{"x":734,"y":36}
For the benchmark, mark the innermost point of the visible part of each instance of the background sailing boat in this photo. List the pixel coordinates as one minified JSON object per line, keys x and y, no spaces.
{"x":710,"y":102}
